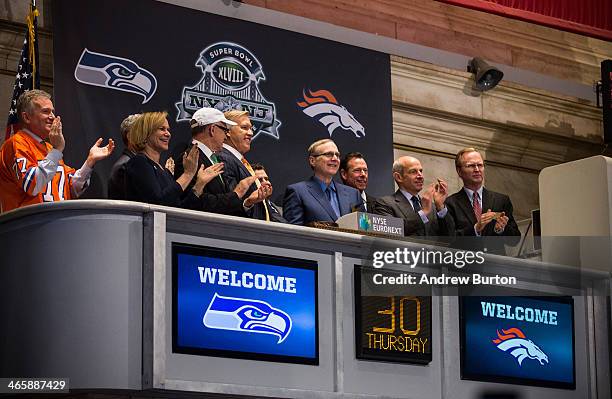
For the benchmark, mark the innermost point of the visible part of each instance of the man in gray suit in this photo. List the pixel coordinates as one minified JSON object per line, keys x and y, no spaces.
{"x":424,"y":214}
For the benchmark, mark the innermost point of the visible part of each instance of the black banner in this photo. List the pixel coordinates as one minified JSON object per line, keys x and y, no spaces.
{"x":116,"y":58}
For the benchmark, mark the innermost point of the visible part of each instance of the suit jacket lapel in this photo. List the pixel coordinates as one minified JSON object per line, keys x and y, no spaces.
{"x":466,"y":207}
{"x":487,"y":200}
{"x":344,"y":199}
{"x":404,"y":206}
{"x":319,"y":195}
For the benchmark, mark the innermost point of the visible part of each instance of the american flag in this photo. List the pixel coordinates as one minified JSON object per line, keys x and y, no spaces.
{"x":28,"y":72}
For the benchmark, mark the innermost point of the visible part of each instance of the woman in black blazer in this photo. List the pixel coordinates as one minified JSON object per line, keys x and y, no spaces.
{"x":148,"y":181}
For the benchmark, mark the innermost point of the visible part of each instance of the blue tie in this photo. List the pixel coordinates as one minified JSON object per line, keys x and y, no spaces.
{"x":416,"y":204}
{"x":333,"y":201}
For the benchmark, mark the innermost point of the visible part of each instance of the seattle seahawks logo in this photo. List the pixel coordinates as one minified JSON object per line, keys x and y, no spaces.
{"x":230,"y":80}
{"x":115,"y":73}
{"x":513,"y":340}
{"x":323,"y":106}
{"x":247,"y":315}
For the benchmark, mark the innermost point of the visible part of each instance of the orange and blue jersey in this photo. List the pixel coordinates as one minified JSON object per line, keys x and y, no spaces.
{"x":32,"y":172}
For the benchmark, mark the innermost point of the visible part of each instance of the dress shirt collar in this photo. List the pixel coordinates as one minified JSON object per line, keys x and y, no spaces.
{"x":470,"y":194}
{"x":409,"y":196}
{"x":324,"y":186}
{"x":234,"y":151}
{"x":34,"y":136}
{"x":207,"y":151}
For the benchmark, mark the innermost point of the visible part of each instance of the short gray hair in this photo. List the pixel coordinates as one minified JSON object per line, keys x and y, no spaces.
{"x":26,"y":100}
{"x":316,"y":144}
{"x":126,"y":125}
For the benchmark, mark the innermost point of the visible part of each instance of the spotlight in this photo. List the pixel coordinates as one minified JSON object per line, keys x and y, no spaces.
{"x":486,"y":77}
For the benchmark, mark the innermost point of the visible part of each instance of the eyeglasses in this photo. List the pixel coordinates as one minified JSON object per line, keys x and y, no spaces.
{"x":330,"y":154}
{"x":474,"y":166}
{"x":263,"y":179}
{"x":225,"y":129}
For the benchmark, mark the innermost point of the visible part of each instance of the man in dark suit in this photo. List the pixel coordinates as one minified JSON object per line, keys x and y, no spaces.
{"x":208,"y":129}
{"x":320,"y":199}
{"x":424,"y":215}
{"x":276,"y":213}
{"x":116,"y":181}
{"x":478,"y":211}
{"x":354,"y":173}
{"x":237,"y":144}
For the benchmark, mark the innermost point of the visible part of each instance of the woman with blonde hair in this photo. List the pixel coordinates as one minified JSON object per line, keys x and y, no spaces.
{"x":147,"y":181}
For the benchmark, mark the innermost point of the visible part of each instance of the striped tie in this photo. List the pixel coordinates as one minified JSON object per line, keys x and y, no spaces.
{"x":477,"y":206}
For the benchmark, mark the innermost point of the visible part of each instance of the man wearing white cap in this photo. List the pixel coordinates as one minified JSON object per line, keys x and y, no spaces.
{"x":208,"y":129}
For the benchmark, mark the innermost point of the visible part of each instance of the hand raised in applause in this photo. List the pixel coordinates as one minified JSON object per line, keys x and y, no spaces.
{"x":243,"y":185}
{"x":484,"y":220}
{"x":427,"y":196}
{"x":98,"y":153}
{"x":56,"y":137}
{"x":440,"y":194}
{"x":206,"y":175}
{"x":501,"y":222}
{"x":170,"y":165}
{"x":263,"y":192}
{"x":190,"y":161}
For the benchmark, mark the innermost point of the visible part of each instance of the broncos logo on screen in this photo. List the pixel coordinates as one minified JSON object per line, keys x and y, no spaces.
{"x":515,"y":341}
{"x":116,"y":73}
{"x":247,"y":315}
{"x":323,"y":106}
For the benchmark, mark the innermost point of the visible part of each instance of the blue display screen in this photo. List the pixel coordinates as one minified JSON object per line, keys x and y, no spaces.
{"x":245,"y":305}
{"x":518,"y":340}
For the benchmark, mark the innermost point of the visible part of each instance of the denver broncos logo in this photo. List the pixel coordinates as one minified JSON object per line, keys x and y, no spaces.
{"x":323,"y":106}
{"x":515,"y":341}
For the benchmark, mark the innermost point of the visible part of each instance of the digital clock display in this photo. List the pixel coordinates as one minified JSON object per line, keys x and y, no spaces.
{"x":394,"y":328}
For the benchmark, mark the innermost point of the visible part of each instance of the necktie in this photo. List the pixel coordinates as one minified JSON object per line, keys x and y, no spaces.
{"x":257,"y":183}
{"x":215,"y":161}
{"x":416,"y":203}
{"x":332,"y":201}
{"x":476,"y":205}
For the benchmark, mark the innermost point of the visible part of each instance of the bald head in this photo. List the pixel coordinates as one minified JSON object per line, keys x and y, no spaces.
{"x":408,"y":174}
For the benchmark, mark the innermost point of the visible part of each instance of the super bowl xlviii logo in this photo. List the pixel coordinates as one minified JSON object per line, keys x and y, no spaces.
{"x":230,"y":80}
{"x":323,"y":106}
{"x":514,"y":341}
{"x":116,"y":73}
{"x":247,"y":315}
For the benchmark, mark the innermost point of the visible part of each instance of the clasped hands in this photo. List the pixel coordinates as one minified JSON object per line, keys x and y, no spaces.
{"x":501,"y":220}
{"x":435,"y":193}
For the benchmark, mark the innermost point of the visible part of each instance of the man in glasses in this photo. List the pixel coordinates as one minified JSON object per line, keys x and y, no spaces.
{"x":208,"y":130}
{"x":320,"y":199}
{"x":423,"y":208}
{"x":354,"y":173}
{"x":478,"y":211}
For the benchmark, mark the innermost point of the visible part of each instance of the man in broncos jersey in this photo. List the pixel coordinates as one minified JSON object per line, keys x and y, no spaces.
{"x":31,"y":166}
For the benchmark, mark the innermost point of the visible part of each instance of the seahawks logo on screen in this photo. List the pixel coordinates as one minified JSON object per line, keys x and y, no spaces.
{"x":323,"y":106}
{"x":513,"y":340}
{"x":247,"y":315}
{"x":115,"y":73}
{"x":230,"y":80}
